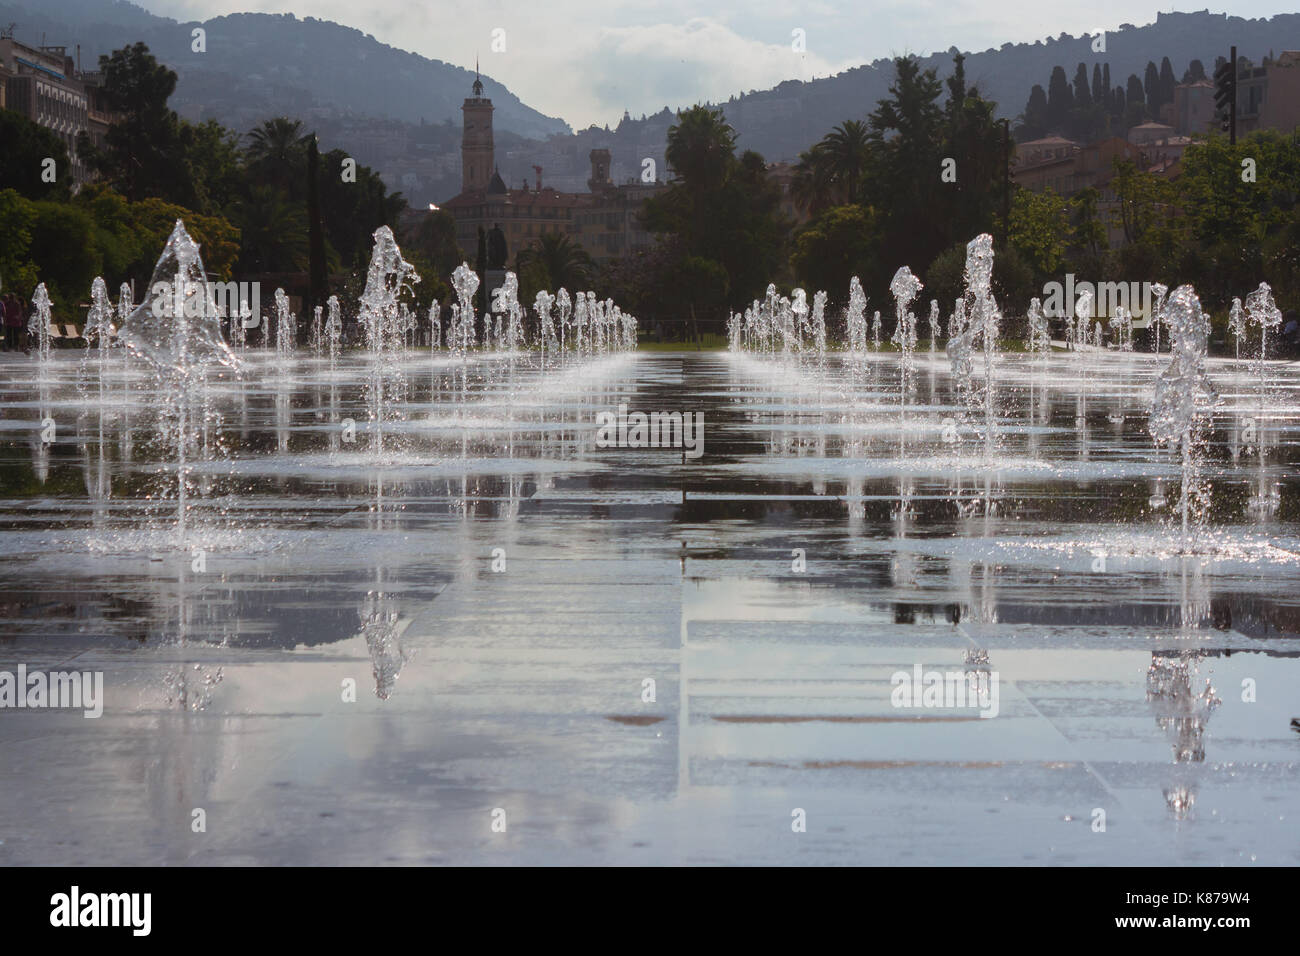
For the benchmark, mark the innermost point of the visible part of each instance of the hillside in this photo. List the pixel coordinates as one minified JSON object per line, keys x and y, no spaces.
{"x":781,"y":122}
{"x":399,"y":112}
{"x":257,"y":65}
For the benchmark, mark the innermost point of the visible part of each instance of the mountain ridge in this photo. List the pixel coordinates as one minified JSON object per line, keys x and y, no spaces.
{"x":317,"y":63}
{"x":400,"y":112}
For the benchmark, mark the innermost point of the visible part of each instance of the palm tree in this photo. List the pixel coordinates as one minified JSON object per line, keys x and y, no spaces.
{"x":814,"y":187}
{"x":273,"y":232}
{"x":557,"y":261}
{"x":278,"y":150}
{"x":701,"y":147}
{"x":846,"y":148}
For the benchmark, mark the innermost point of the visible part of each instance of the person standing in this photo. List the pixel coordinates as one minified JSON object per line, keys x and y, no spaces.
{"x":13,"y":321}
{"x":24,"y":332}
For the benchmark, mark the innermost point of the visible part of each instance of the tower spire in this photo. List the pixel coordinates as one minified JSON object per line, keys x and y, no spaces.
{"x":476,"y":153}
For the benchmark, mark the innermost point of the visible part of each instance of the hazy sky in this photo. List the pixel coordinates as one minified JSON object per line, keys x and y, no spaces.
{"x":587,"y":61}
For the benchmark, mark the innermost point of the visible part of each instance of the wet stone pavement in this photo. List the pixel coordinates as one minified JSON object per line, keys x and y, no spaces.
{"x":567,"y":653}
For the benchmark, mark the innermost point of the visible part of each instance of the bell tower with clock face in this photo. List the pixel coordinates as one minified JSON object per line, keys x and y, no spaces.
{"x":476,"y":151}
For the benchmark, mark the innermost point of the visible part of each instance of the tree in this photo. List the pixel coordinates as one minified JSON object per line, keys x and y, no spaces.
{"x":957,"y":89}
{"x":1013,"y":279}
{"x":556,"y":261}
{"x":843,"y":242}
{"x":845,"y":150}
{"x":1040,"y":230}
{"x":318,"y":265}
{"x":1134,"y":92}
{"x":922,"y":212}
{"x":907,"y":135}
{"x":1151,"y":87}
{"x":701,"y":151}
{"x":1215,"y":201}
{"x":1195,"y":71}
{"x":1090,"y":236}
{"x":277,"y":154}
{"x":126,"y":249}
{"x":213,"y":159}
{"x":1135,"y":101}
{"x":1234,"y":225}
{"x":974,"y":140}
{"x":145,"y":151}
{"x":1167,"y":81}
{"x":16,"y":267}
{"x":218,"y":239}
{"x":757,"y":251}
{"x":1035,"y":122}
{"x":1281,"y":258}
{"x":24,"y":148}
{"x":352,"y":211}
{"x":708,"y":286}
{"x":67,"y":243}
{"x":647,"y":283}
{"x":1087,"y":121}
{"x":273,"y":232}
{"x":433,"y":239}
{"x":701,"y":146}
{"x":721,"y":208}
{"x":66,"y":263}
{"x":1059,"y":99}
{"x":1082,"y":94}
{"x":1099,"y":88}
{"x":1145,"y":210}
{"x":814,"y":187}
{"x":150,"y":152}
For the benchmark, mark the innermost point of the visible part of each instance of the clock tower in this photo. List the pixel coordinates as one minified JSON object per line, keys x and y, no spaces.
{"x":476,"y":153}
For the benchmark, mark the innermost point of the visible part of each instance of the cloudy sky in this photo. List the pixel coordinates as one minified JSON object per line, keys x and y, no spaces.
{"x":587,"y":61}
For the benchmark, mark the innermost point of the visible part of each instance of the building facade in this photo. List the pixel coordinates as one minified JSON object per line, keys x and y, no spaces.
{"x":44,"y":85}
{"x":1193,"y":110}
{"x":1268,"y":96}
{"x":605,"y":221}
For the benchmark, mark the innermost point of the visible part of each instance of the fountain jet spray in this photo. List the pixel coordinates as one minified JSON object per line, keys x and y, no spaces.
{"x":387,"y":280}
{"x":177,"y":330}
{"x":1175,"y":415}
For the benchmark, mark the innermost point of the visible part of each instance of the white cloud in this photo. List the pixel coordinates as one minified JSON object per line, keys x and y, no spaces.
{"x":647,"y":67}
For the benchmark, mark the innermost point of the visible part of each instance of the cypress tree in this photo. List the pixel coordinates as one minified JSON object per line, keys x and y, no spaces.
{"x":480,"y":266}
{"x":1134,"y":92}
{"x":1082,"y":95}
{"x":1151,"y":87}
{"x":1059,"y":98}
{"x":1036,"y":113}
{"x":317,"y":274}
{"x":1167,"y":81}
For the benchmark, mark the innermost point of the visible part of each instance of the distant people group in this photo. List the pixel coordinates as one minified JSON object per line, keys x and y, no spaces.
{"x":14,"y":311}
